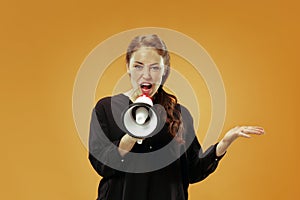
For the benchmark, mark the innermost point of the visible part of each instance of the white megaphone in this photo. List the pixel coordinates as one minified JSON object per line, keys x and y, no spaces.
{"x":140,"y":119}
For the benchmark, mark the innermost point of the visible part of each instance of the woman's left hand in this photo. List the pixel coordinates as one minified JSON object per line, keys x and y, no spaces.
{"x":236,"y":132}
{"x":242,"y":131}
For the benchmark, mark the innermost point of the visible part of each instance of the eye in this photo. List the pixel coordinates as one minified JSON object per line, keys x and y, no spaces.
{"x":155,"y":68}
{"x":138,"y":67}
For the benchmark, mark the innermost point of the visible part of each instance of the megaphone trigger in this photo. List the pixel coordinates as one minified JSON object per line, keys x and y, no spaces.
{"x":139,"y":141}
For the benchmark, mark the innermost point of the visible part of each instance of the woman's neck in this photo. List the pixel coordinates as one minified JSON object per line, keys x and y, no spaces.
{"x":130,"y":94}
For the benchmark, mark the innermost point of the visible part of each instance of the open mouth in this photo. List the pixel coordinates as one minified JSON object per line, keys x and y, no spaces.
{"x":146,"y":86}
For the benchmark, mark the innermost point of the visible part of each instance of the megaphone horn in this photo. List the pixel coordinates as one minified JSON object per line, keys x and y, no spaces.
{"x":140,"y":120}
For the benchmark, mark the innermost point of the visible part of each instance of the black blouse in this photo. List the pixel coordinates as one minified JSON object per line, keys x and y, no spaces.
{"x":124,"y":178}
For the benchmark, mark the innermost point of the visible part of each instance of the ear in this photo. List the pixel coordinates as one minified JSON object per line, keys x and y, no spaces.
{"x":166,"y":70}
{"x":127,"y":67}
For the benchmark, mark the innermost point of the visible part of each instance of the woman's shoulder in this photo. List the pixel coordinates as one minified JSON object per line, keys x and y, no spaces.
{"x":108,"y":100}
{"x":181,"y":108}
{"x":185,"y":113}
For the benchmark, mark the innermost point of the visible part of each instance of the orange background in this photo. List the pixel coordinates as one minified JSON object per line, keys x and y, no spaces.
{"x":43,"y":43}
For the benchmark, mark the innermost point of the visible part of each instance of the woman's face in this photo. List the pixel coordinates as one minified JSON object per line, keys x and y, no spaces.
{"x":146,"y":68}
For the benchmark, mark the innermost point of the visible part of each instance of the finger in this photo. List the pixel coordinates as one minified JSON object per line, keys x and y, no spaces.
{"x":254,"y":128}
{"x":248,"y":127}
{"x":244,"y":135}
{"x":253,"y":132}
{"x":260,"y":131}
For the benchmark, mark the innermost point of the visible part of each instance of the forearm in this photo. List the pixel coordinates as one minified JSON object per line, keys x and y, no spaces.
{"x":222,"y":147}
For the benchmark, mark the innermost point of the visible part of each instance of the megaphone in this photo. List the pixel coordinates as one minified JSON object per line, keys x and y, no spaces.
{"x":140,"y":119}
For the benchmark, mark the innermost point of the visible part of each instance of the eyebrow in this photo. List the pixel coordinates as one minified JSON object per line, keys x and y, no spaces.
{"x":138,"y":62}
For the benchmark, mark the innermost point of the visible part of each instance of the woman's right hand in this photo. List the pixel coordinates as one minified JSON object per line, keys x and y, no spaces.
{"x":126,"y":144}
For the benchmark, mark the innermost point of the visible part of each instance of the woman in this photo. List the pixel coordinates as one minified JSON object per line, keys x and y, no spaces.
{"x":113,"y":153}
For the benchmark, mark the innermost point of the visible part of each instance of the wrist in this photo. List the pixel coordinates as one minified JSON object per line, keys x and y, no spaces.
{"x":228,"y":140}
{"x":222,"y":147}
{"x":130,"y":139}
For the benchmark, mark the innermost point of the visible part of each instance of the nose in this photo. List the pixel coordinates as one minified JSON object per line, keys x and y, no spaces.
{"x":146,"y":73}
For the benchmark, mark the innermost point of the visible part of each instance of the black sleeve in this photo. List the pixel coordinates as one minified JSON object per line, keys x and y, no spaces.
{"x":103,"y":153}
{"x":200,"y":164}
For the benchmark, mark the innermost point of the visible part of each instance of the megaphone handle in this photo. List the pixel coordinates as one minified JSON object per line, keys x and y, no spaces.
{"x":139,"y":141}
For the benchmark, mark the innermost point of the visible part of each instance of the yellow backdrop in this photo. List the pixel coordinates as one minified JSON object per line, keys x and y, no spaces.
{"x":43,"y":43}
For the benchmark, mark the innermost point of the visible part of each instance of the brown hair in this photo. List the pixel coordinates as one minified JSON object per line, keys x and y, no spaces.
{"x":168,"y":101}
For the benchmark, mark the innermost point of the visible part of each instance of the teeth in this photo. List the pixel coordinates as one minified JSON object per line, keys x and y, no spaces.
{"x":146,"y":85}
